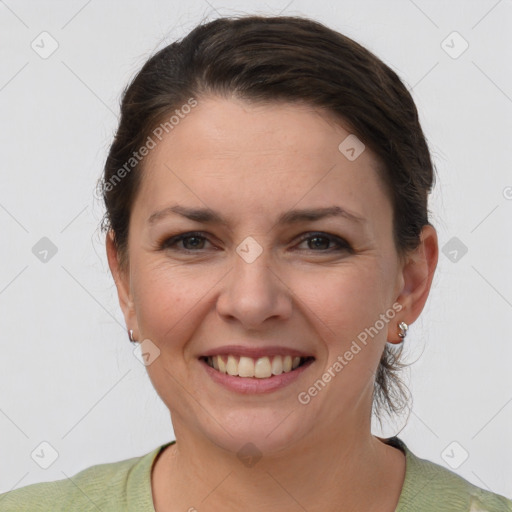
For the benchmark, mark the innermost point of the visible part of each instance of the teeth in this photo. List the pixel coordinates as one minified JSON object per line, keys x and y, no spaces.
{"x":245,"y":367}
{"x":232,"y":365}
{"x":221,"y":364}
{"x":261,"y":368}
{"x":277,"y":366}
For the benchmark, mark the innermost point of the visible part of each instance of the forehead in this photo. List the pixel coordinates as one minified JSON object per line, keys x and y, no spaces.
{"x":218,"y":126}
{"x":229,"y":154}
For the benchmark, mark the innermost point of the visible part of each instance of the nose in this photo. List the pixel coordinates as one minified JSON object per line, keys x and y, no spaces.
{"x":254,"y":293}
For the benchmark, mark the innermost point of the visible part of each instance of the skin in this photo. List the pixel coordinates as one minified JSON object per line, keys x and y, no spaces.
{"x":316,"y":298}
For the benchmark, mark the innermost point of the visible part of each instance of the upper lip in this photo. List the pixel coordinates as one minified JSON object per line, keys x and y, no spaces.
{"x":254,"y":352}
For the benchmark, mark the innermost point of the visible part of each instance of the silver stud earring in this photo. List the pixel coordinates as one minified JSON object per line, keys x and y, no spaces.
{"x":403,"y":330}
{"x":130,"y":335}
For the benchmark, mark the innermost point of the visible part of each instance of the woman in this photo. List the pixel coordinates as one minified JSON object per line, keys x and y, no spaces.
{"x":268,"y":233}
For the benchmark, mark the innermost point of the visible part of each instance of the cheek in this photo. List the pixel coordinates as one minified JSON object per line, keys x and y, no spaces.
{"x":167,"y":301}
{"x":345,"y":300}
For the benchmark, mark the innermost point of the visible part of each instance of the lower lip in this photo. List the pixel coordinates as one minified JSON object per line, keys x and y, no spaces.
{"x":250,"y":385}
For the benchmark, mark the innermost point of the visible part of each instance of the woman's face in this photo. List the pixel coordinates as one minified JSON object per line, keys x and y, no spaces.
{"x":263,"y":277}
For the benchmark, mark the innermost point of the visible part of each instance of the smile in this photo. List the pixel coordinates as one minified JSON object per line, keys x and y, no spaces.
{"x":260,"y":368}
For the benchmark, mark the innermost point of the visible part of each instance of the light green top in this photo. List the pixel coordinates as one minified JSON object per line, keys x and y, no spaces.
{"x":126,"y":486}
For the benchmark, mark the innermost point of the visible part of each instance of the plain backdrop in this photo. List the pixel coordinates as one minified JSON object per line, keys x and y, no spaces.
{"x":68,"y":376}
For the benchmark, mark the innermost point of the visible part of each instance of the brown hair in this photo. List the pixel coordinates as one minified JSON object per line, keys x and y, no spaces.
{"x":290,"y":59}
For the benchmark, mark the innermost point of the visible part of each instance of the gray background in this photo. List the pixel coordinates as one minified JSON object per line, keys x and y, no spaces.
{"x":68,"y":375}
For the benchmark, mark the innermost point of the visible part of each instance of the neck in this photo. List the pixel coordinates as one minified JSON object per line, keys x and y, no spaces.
{"x":345,"y":472}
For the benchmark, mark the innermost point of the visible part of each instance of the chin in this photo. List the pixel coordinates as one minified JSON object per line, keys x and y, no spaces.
{"x":258,"y":433}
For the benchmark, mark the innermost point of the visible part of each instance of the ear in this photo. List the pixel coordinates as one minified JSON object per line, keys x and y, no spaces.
{"x":122,"y":280}
{"x":416,"y":278}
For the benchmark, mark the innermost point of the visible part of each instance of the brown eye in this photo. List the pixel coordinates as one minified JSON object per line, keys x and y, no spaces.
{"x":323,"y":242}
{"x":191,"y":242}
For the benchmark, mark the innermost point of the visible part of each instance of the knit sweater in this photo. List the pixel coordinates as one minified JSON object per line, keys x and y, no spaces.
{"x":126,"y":486}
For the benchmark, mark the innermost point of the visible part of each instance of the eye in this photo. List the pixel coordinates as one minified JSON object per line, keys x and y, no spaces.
{"x":192,"y":242}
{"x":319,"y":242}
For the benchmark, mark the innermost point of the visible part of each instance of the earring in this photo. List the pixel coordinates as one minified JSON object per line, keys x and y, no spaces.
{"x":403,"y":330}
{"x":130,"y":335}
{"x":402,"y":333}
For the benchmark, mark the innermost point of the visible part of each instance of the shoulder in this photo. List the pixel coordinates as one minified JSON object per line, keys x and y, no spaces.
{"x":104,"y":487}
{"x":430,"y":486}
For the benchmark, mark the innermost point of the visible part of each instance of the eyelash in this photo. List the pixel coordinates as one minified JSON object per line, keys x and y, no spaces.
{"x":170,"y":243}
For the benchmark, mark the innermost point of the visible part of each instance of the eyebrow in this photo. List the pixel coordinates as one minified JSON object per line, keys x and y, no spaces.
{"x":207,"y":216}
